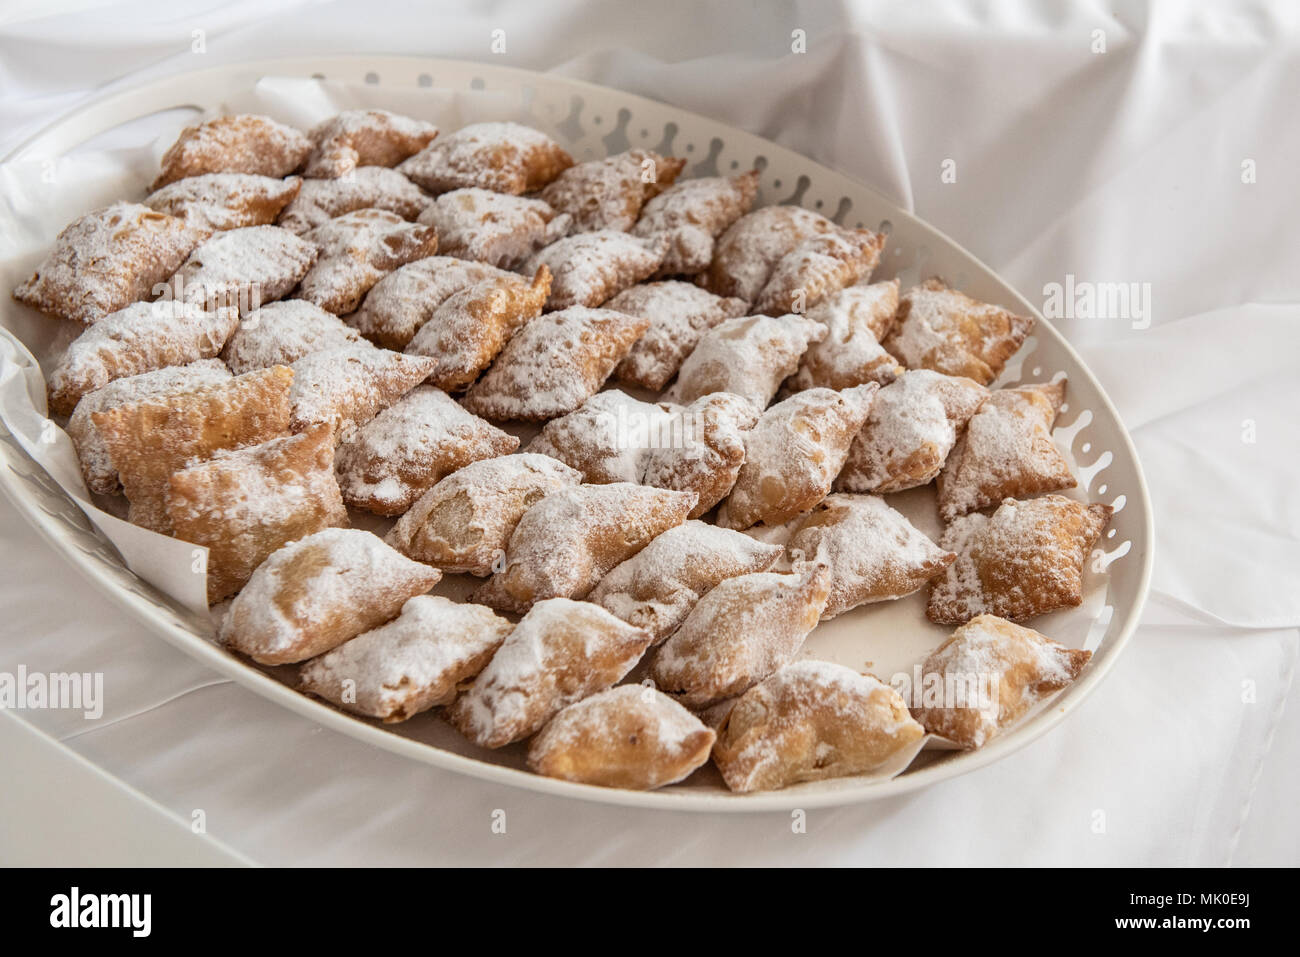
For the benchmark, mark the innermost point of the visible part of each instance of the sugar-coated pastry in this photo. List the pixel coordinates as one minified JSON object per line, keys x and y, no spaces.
{"x":565,"y":543}
{"x":388,"y":463}
{"x":1000,"y":669}
{"x":746,"y":254}
{"x":629,"y":737}
{"x":851,"y":353}
{"x":502,"y":157}
{"x":405,"y":299}
{"x":369,"y":187}
{"x":608,"y":437}
{"x":356,"y":138}
{"x":1006,"y":451}
{"x":818,"y":266}
{"x":741,"y":631}
{"x":243,"y":504}
{"x":217,"y":201}
{"x":749,"y":356}
{"x":912,"y":427}
{"x":942,"y":329}
{"x":810,"y":721}
{"x":609,"y":193}
{"x":143,"y":337}
{"x":106,"y":260}
{"x":679,"y":313}
{"x":560,"y":652}
{"x":149,"y":440}
{"x":281,"y":333}
{"x":464,"y":523}
{"x":793,"y":454}
{"x":874,"y":552}
{"x":357,"y":250}
{"x":244,"y":268}
{"x":494,"y":228}
{"x":1025,"y":559}
{"x":243,"y":143}
{"x":92,"y":451}
{"x":657,"y":587}
{"x":345,"y":388}
{"x":467,"y":330}
{"x":416,"y":662}
{"x":704,"y":450}
{"x":590,"y":268}
{"x":554,"y":363}
{"x":691,"y":214}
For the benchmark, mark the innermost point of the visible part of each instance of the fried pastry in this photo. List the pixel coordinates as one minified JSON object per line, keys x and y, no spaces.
{"x":1006,"y":451}
{"x":608,"y":437}
{"x":314,"y":594}
{"x":369,"y":187}
{"x":243,"y":504}
{"x":590,"y":268}
{"x":246,"y":268}
{"x":1000,"y":670}
{"x":388,"y":463}
{"x":912,"y":427}
{"x":746,"y":254}
{"x":810,"y":721}
{"x":244,"y":143}
{"x":502,"y":157}
{"x":346,"y":388}
{"x":705,"y":450}
{"x":143,"y":337}
{"x":416,"y":662}
{"x":609,"y":193}
{"x":494,"y":228}
{"x":356,"y":138}
{"x":942,"y":329}
{"x":1025,"y":559}
{"x":749,"y":356}
{"x":92,"y":451}
{"x":817,"y":267}
{"x":149,"y":440}
{"x":851,"y":353}
{"x":565,"y":543}
{"x":281,"y":333}
{"x":657,"y":587}
{"x":874,"y":552}
{"x":742,"y":630}
{"x":627,"y":737}
{"x":554,"y":364}
{"x":560,"y":652}
{"x":679,"y":314}
{"x":218,"y":201}
{"x":691,"y":214}
{"x":464,"y":523}
{"x":465,"y":333}
{"x":357,"y":250}
{"x":794,"y":453}
{"x":107,"y":260}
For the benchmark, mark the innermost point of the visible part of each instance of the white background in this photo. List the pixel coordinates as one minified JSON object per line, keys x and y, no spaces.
{"x":1123,"y":165}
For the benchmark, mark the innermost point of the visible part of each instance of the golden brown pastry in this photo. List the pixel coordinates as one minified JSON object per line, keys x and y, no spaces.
{"x":749,"y":250}
{"x":244,"y":143}
{"x":494,"y":228}
{"x":590,"y":268}
{"x":609,"y":193}
{"x":794,"y":453}
{"x":244,"y":268}
{"x":627,"y":737}
{"x":704,"y":450}
{"x":281,"y":333}
{"x":243,"y":504}
{"x":502,"y":157}
{"x":554,"y":364}
{"x":561,"y":652}
{"x":565,"y":543}
{"x":749,"y":356}
{"x":106,"y":260}
{"x":1006,"y":451}
{"x":1025,"y":559}
{"x":912,"y":427}
{"x":346,"y":388}
{"x":219,"y":201}
{"x":851,"y":353}
{"x":608,"y":438}
{"x":810,"y":721}
{"x":356,"y":138}
{"x":416,"y":662}
{"x":942,"y":329}
{"x":818,"y":266}
{"x":691,"y":214}
{"x":1000,"y":670}
{"x":357,"y":250}
{"x":874,"y":552}
{"x":392,"y":460}
{"x":369,"y":187}
{"x":464,"y":523}
{"x":316,"y":593}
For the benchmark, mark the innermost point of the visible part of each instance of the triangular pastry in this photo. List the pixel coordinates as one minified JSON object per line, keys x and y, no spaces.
{"x":749,"y":356}
{"x":281,"y":333}
{"x":608,"y":437}
{"x":818,"y":266}
{"x":356,"y":138}
{"x":851,"y":353}
{"x":357,"y":250}
{"x":369,"y":187}
{"x":243,"y":143}
{"x":590,"y":268}
{"x":502,"y":157}
{"x":218,"y":201}
{"x":609,"y":193}
{"x":244,"y":268}
{"x":691,"y":214}
{"x":346,"y":388}
{"x":494,"y":228}
{"x":704,"y":450}
{"x":746,"y":254}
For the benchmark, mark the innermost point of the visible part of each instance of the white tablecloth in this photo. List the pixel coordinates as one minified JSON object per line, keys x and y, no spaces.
{"x":1123,"y":165}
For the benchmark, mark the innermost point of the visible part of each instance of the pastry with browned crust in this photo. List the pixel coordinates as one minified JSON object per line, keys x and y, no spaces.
{"x":243,"y":268}
{"x":609,"y":193}
{"x":817,"y":267}
{"x":502,"y":157}
{"x":243,"y":143}
{"x":217,"y":201}
{"x":748,"y":356}
{"x":356,"y":138}
{"x":370,"y":187}
{"x":591,"y":268}
{"x":856,"y":319}
{"x":281,"y":333}
{"x":691,"y":214}
{"x":345,"y":388}
{"x":494,"y":228}
{"x":356,"y":251}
